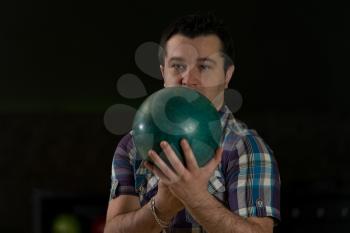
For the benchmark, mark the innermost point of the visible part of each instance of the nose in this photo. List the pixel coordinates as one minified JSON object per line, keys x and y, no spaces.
{"x":191,"y":77}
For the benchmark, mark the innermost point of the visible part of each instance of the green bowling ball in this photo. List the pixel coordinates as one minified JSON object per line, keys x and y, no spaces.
{"x":66,"y":223}
{"x":174,"y":113}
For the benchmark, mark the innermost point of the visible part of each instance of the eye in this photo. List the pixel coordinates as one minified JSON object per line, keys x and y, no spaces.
{"x":204,"y":67}
{"x":178,"y":67}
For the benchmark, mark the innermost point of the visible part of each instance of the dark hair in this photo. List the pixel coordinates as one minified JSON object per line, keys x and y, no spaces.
{"x":199,"y":25}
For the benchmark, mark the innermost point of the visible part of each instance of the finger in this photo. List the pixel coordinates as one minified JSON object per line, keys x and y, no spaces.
{"x":214,"y":162}
{"x":191,"y":161}
{"x":162,"y":165}
{"x":173,"y":159}
{"x":150,"y":166}
{"x":156,"y":171}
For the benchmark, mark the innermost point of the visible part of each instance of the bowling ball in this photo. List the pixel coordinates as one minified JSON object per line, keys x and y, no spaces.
{"x":66,"y":223}
{"x":174,"y":113}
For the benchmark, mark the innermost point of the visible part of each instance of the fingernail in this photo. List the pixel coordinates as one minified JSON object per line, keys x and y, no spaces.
{"x":163,"y":143}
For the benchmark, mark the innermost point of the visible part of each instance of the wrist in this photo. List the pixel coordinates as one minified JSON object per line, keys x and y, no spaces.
{"x":198,"y":200}
{"x":164,"y":210}
{"x":161,"y":222}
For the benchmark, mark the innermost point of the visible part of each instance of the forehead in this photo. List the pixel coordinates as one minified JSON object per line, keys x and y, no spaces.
{"x":201,"y":46}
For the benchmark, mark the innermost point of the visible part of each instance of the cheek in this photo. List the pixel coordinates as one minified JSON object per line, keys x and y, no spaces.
{"x":170,"y":79}
{"x":213,"y":80}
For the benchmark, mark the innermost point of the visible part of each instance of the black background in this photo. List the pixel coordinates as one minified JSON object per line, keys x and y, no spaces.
{"x":59,"y":64}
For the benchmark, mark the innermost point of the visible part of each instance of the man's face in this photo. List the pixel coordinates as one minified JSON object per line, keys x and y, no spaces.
{"x":197,"y":63}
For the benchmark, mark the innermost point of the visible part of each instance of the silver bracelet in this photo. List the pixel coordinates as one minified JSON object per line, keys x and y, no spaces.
{"x":160,"y":222}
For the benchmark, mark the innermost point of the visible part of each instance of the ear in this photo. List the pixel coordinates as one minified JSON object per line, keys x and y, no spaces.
{"x":229,"y":74}
{"x":162,"y":70}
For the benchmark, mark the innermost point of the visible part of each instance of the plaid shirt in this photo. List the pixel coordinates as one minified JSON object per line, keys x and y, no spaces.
{"x":247,"y":181}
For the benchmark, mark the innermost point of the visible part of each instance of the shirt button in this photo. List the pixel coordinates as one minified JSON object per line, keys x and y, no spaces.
{"x":259,"y":203}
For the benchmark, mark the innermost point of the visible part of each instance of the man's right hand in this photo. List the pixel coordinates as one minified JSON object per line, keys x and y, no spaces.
{"x":166,"y":203}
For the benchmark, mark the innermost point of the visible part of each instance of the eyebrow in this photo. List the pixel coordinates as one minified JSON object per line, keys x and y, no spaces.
{"x":180,"y":59}
{"x":204,"y":59}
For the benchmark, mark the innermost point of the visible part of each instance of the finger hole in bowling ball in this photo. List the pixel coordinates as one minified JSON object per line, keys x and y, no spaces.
{"x":172,"y":106}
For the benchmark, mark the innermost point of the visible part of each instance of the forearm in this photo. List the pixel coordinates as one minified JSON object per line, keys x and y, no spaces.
{"x":215,"y":217}
{"x":139,"y":221}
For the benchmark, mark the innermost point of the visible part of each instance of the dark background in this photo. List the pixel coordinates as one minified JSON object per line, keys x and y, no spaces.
{"x":59,"y":64}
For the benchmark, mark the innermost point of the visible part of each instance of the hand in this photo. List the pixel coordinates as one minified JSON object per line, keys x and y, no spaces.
{"x":167,"y":204}
{"x":189,"y":184}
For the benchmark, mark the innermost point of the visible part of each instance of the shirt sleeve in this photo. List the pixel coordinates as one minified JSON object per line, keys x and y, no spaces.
{"x":122,"y":178}
{"x":254,"y":180}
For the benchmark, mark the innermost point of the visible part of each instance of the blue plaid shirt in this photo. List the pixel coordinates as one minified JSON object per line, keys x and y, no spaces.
{"x":247,"y":181}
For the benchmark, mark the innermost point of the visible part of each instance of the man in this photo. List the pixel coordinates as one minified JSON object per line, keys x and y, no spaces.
{"x":237,"y":191}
